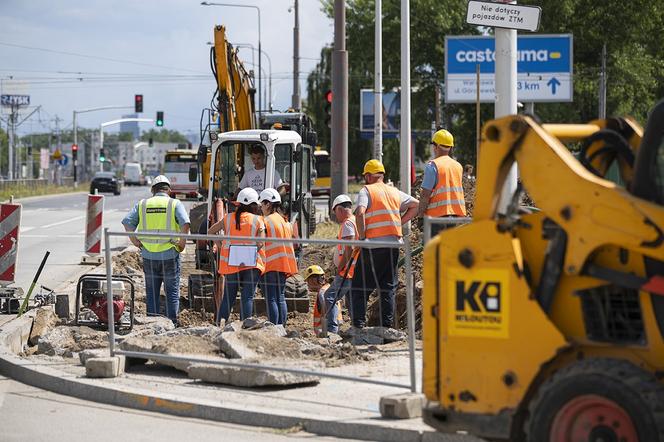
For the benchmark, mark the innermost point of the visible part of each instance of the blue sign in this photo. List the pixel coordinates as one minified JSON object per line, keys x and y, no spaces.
{"x":544,"y":68}
{"x":64,"y":159}
{"x":391,"y":112}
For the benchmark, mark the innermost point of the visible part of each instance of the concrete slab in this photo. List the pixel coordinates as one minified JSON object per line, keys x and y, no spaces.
{"x":253,"y":377}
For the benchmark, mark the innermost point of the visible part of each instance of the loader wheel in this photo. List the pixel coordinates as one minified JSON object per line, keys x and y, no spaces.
{"x":598,"y":400}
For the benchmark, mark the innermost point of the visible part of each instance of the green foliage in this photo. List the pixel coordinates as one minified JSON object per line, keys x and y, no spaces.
{"x":635,"y":66}
{"x":164,"y":136}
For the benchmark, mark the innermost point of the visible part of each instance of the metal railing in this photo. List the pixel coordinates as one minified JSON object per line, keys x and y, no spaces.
{"x":34,"y":183}
{"x":429,"y":222}
{"x":393,"y":245}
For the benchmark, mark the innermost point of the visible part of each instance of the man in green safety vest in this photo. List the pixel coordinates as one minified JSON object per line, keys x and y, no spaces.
{"x":161,"y":256}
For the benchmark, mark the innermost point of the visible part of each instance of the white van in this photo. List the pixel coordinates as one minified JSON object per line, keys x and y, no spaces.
{"x":133,"y":175}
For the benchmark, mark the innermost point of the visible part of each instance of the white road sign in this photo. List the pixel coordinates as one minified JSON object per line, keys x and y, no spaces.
{"x":502,"y":15}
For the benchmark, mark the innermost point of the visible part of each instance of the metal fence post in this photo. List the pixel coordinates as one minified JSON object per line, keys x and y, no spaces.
{"x":410,"y":310}
{"x":109,"y":291}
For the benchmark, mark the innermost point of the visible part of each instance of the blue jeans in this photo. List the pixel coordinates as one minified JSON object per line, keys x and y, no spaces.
{"x":166,"y":271}
{"x":339,"y":287}
{"x":249,"y":280}
{"x":375,"y":269}
{"x":273,"y":285}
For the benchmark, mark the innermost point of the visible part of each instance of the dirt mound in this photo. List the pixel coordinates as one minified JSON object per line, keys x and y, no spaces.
{"x":192,"y":318}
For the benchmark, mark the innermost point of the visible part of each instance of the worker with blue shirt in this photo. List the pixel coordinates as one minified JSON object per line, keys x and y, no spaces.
{"x":442,"y":185}
{"x":161,"y":256}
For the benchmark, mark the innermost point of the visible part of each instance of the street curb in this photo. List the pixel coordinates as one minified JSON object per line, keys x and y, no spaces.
{"x":49,"y":379}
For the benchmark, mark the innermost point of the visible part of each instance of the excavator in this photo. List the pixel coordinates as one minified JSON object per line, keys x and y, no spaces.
{"x":547,"y":324}
{"x":229,"y":129}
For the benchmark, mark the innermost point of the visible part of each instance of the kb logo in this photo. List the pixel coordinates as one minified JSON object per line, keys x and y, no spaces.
{"x":480,"y":296}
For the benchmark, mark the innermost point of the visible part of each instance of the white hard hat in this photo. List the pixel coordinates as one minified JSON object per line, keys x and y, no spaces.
{"x":247,"y":196}
{"x":161,"y":179}
{"x":270,"y":195}
{"x":343,"y":198}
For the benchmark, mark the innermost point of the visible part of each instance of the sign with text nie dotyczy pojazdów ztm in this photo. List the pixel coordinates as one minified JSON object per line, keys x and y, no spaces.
{"x":544,"y":68}
{"x":501,"y":15}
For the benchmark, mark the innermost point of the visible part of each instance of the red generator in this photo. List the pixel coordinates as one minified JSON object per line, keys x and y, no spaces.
{"x":92,"y":301}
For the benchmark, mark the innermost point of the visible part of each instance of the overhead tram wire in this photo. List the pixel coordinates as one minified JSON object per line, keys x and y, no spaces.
{"x":96,"y":57}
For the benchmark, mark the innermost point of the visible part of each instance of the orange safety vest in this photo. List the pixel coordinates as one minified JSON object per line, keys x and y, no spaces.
{"x":447,"y":197}
{"x":382,"y":218}
{"x":250,"y":225}
{"x":317,"y":314}
{"x":348,"y":273}
{"x":279,"y":257}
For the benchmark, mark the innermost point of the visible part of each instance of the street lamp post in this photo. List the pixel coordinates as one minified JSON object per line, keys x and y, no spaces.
{"x":269,"y":69}
{"x":258,"y":11}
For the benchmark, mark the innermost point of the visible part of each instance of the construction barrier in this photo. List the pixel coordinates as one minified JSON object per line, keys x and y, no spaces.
{"x":380,"y":307}
{"x":94,"y":220}
{"x":10,"y":221}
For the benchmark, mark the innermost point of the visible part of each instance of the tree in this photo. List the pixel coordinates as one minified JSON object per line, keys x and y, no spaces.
{"x":630,"y":30}
{"x":164,"y":136}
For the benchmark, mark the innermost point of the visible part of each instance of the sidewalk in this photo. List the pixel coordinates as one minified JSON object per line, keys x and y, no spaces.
{"x":331,"y":408}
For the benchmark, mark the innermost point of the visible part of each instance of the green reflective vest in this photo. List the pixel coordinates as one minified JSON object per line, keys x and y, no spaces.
{"x":157,"y":214}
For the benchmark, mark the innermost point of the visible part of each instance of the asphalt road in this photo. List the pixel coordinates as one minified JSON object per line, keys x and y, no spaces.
{"x":57,"y":223}
{"x":31,"y":414}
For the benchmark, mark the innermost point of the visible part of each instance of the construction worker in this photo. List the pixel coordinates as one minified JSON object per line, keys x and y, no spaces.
{"x":280,"y":260}
{"x":442,"y":186}
{"x":378,"y":215}
{"x":315,"y":279}
{"x":161,"y":256}
{"x":255,"y":177}
{"x":344,"y":259}
{"x":241,"y":262}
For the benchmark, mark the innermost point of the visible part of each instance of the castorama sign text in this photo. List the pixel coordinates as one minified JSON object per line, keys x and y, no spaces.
{"x":537,"y":54}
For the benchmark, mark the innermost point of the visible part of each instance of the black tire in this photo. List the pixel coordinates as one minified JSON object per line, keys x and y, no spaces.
{"x":611,"y":381}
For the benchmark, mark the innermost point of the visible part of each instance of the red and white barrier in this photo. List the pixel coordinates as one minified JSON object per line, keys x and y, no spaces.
{"x":10,"y":221}
{"x":94,"y":224}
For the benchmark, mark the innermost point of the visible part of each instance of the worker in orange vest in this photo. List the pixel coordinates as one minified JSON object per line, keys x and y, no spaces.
{"x":280,"y":260}
{"x":315,"y":279}
{"x":344,"y":260}
{"x":241,"y":262}
{"x":380,"y":212}
{"x":442,"y":185}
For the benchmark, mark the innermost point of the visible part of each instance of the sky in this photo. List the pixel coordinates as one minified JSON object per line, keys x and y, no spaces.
{"x":79,"y":54}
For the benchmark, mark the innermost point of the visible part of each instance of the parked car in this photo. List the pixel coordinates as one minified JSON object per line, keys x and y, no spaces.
{"x":133,"y":175}
{"x":105,"y":182}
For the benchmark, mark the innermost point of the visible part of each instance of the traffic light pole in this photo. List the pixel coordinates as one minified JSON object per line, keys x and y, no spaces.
{"x":82,"y":111}
{"x":111,"y":123}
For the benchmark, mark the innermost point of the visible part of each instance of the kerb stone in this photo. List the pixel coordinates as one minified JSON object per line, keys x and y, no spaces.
{"x":256,"y":377}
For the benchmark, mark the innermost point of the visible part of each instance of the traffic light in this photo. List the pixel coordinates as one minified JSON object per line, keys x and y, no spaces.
{"x":328,"y":108}
{"x":138,"y":103}
{"x":74,"y":151}
{"x":102,"y":155}
{"x":160,"y":118}
{"x":150,"y":142}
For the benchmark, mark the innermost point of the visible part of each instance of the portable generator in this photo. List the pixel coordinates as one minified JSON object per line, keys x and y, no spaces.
{"x":92,"y":301}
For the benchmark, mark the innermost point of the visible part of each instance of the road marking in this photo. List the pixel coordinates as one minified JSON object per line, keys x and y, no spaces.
{"x":59,"y":223}
{"x":32,"y":235}
{"x":25,"y":229}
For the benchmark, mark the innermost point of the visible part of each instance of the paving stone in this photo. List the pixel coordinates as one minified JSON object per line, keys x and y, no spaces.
{"x":256,"y":377}
{"x":402,"y":406}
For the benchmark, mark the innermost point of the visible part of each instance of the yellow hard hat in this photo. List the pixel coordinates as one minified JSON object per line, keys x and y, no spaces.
{"x":373,"y":166}
{"x":443,"y":138}
{"x":313,"y":270}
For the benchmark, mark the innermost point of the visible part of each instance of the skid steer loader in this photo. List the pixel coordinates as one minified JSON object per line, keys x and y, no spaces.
{"x":549,"y":325}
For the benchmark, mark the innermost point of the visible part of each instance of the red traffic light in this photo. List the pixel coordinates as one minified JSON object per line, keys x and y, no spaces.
{"x":138,"y":103}
{"x":328,"y":96}
{"x":74,"y":147}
